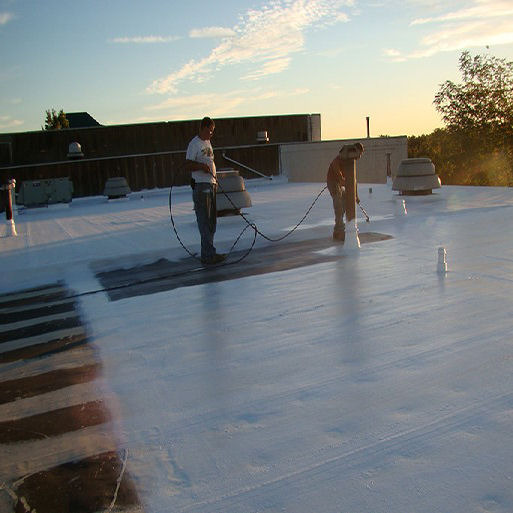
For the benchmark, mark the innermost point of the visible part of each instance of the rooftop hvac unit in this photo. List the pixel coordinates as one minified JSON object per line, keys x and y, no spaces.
{"x":231,"y":193}
{"x":34,"y":193}
{"x":116,"y":187}
{"x":416,"y":176}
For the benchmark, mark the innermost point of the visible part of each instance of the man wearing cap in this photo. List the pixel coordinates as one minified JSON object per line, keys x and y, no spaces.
{"x":336,"y":182}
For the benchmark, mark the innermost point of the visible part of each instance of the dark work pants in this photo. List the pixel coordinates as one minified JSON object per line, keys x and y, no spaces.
{"x":338,"y":195}
{"x":204,"y":197}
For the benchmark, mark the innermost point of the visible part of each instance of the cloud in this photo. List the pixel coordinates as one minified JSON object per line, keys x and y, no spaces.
{"x":5,"y":17}
{"x":145,"y":39}
{"x":216,"y":104}
{"x":268,"y":68}
{"x":341,"y":17}
{"x":481,"y":9}
{"x":212,"y":32}
{"x":393,"y":55}
{"x":264,"y":38}
{"x":7,"y":123}
{"x":478,"y":24}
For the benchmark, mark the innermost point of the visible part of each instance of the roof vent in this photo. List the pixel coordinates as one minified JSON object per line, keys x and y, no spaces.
{"x":262,"y":137}
{"x":416,"y":177}
{"x":75,"y":151}
{"x":232,"y":195}
{"x":116,"y":187}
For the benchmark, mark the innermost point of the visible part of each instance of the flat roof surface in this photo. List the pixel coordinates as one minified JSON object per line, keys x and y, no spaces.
{"x":305,"y":378}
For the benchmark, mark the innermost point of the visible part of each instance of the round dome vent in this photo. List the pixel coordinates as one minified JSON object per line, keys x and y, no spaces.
{"x":75,"y":151}
{"x":416,"y":176}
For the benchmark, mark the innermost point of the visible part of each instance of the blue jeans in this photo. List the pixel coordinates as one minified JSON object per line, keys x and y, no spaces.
{"x":204,"y":197}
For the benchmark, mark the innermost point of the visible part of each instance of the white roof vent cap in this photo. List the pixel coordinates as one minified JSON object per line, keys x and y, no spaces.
{"x":75,"y":151}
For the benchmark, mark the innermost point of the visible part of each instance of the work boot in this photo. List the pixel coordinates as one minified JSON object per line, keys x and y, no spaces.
{"x":339,"y":235}
{"x":216,"y":259}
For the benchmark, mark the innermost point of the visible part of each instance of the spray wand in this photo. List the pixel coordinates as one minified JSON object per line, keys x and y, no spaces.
{"x":367,"y":219}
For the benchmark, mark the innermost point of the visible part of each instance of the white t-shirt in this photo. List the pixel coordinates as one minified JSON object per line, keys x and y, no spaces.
{"x":201,"y":151}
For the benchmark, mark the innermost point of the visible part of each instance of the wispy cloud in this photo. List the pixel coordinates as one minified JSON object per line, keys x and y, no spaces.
{"x":393,"y":55}
{"x":8,"y":123}
{"x":216,"y":104}
{"x":265,"y":38}
{"x":212,"y":32}
{"x":479,"y":23}
{"x":268,"y":68}
{"x":481,"y":9}
{"x":474,"y":34}
{"x":212,"y":103}
{"x":207,"y":32}
{"x":5,"y":17}
{"x":145,"y":39}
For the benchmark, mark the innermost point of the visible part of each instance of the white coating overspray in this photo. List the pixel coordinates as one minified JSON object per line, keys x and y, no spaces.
{"x":442,"y":260}
{"x":352,"y":240}
{"x":400,"y":208}
{"x":11,"y":228}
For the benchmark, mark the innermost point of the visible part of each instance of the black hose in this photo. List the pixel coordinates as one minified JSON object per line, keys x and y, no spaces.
{"x":367,"y":218}
{"x":249,"y":224}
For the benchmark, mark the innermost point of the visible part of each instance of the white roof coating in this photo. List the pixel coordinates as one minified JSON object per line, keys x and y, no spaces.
{"x":368,"y":382}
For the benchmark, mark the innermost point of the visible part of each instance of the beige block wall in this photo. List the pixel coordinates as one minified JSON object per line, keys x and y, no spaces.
{"x":309,"y":161}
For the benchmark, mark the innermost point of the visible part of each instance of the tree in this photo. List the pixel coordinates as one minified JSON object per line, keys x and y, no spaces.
{"x":455,"y":161}
{"x":55,"y":121}
{"x":478,"y":114}
{"x":484,"y":101}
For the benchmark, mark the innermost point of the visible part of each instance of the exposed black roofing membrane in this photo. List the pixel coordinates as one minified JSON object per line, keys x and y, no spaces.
{"x":165,"y":275}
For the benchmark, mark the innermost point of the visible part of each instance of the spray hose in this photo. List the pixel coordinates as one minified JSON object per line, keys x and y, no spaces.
{"x":249,"y":224}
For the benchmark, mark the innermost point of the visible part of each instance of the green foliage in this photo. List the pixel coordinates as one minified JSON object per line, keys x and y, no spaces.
{"x":476,"y":146}
{"x":460,"y":160}
{"x":484,"y":101}
{"x":55,"y":120}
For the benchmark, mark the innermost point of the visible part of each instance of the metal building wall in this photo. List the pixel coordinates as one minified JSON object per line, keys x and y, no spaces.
{"x":117,"y":140}
{"x":309,"y":162}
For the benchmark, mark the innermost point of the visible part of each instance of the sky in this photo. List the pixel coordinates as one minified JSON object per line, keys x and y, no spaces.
{"x":164,"y":60}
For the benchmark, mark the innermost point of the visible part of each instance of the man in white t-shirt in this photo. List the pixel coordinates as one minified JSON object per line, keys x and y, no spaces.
{"x":200,"y":162}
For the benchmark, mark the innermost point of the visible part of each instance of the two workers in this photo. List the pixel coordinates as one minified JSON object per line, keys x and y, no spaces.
{"x":200,"y":163}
